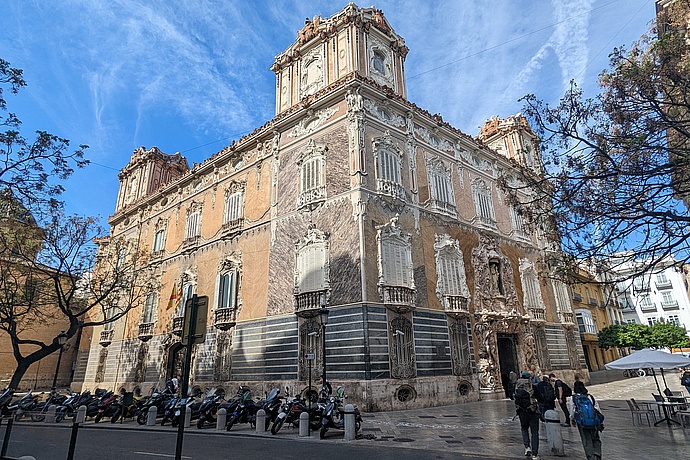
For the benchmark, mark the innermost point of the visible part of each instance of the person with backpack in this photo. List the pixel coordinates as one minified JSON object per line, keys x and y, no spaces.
{"x":548,"y":396}
{"x":589,"y":420}
{"x":685,"y":380}
{"x":563,"y":392}
{"x":526,"y":410}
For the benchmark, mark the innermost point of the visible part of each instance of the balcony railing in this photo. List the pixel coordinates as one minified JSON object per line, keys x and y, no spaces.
{"x":190,"y":242}
{"x":312,"y":196}
{"x":648,"y":307}
{"x":456,"y":304}
{"x":233,"y":225}
{"x":641,"y":287}
{"x":577,"y":297}
{"x":106,"y":337}
{"x":486,"y":222}
{"x":538,"y":314}
{"x":566,"y":317}
{"x":157,"y":254}
{"x":670,"y":305}
{"x":592,"y":301}
{"x":308,"y":301}
{"x":145,"y":331}
{"x":664,"y":284}
{"x":398,"y":297}
{"x":390,"y":188}
{"x":225,"y":318}
{"x":444,"y":208}
{"x":177,"y":325}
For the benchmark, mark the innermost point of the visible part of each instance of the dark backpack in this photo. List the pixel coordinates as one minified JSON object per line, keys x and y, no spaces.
{"x":585,"y":414}
{"x":523,"y":400}
{"x":566,"y":390}
{"x":549,"y":394}
{"x":685,"y":381}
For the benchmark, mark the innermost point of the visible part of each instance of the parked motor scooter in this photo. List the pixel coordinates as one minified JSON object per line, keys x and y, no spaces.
{"x":334,"y":416}
{"x":291,"y":411}
{"x":158,"y":399}
{"x":271,"y":407}
{"x":26,"y":403}
{"x":72,"y":403}
{"x":107,"y":406}
{"x":54,"y":399}
{"x":191,"y":403}
{"x":245,"y":411}
{"x":5,"y":401}
{"x":208,"y":409}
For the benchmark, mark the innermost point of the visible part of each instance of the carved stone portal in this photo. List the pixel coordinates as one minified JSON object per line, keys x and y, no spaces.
{"x":493,"y":270}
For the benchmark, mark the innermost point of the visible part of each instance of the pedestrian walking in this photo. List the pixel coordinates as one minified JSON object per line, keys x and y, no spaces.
{"x":588,"y":419}
{"x":526,"y":409}
{"x":548,"y":395}
{"x":512,"y":379}
{"x":563,"y":392}
{"x":685,"y":380}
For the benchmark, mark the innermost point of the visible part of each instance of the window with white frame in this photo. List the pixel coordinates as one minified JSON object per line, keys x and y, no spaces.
{"x":227,"y":288}
{"x":193,"y":229}
{"x":396,"y":281}
{"x":109,"y":314}
{"x":674,"y":319}
{"x":585,"y":321}
{"x":518,"y":221}
{"x":532,"y":298}
{"x":388,"y":157}
{"x":652,"y":321}
{"x":159,"y":240}
{"x":451,"y":286}
{"x":483,"y":203}
{"x":562,"y":297}
{"x":667,"y":298}
{"x":441,"y":186}
{"x":661,"y":278}
{"x":150,"y":308}
{"x":234,"y":205}
{"x":646,"y":302}
{"x":311,"y":270}
{"x":312,"y":166}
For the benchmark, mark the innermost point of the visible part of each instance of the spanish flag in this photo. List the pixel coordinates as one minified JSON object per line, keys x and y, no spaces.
{"x":175,"y":296}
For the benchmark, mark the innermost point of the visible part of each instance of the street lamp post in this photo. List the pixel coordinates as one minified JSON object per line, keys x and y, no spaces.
{"x":323,"y":316}
{"x":62,"y":339}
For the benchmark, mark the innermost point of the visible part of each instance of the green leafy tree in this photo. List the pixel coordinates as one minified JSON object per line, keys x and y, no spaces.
{"x":636,"y":336}
{"x":609,"y":337}
{"x":667,"y":335}
{"x":618,"y":164}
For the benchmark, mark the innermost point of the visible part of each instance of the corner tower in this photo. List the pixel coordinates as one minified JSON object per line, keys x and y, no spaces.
{"x":353,"y":40}
{"x":513,"y":138}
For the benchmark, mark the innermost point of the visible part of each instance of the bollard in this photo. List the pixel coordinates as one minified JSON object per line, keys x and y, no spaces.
{"x":26,"y":457}
{"x":304,"y":424}
{"x":151,"y":417}
{"x":78,"y":418}
{"x":554,"y":437}
{"x":349,"y":422}
{"x":187,"y":417}
{"x":222,"y":419}
{"x":50,"y":414}
{"x":261,"y":421}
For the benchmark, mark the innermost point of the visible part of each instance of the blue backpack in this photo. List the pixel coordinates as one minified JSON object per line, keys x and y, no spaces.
{"x":585,"y":414}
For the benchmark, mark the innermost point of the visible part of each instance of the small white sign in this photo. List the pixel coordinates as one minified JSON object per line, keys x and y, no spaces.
{"x":310,"y":356}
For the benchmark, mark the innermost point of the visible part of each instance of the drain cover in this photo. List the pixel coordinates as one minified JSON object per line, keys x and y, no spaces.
{"x":474,"y":437}
{"x":403,"y":440}
{"x":453,"y":441}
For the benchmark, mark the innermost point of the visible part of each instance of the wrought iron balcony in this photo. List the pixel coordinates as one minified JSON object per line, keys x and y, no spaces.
{"x":106,"y":337}
{"x":566,"y":317}
{"x":225,"y":318}
{"x":577,"y":297}
{"x":390,"y":188}
{"x":664,"y":284}
{"x":398,"y":297}
{"x":456,"y":304}
{"x":670,"y":305}
{"x":648,"y":306}
{"x":232,"y":226}
{"x":308,"y":301}
{"x":177,"y":325}
{"x":444,"y":208}
{"x":537,"y":313}
{"x":312,"y":197}
{"x":145,"y":331}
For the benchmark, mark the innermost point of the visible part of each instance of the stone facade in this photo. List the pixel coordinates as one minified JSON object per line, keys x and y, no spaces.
{"x":355,"y":199}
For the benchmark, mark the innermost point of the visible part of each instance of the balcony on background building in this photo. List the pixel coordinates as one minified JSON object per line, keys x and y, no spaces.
{"x":593,"y":302}
{"x":566,"y":317}
{"x":390,"y":188}
{"x":145,"y":331}
{"x":312,"y":197}
{"x":664,"y":284}
{"x":398,"y":298}
{"x":486,"y":222}
{"x":444,"y":208}
{"x":642,"y":287}
{"x":456,"y":304}
{"x":537,"y":313}
{"x":309,"y":301}
{"x":233,"y":226}
{"x":648,"y":307}
{"x":577,"y":297}
{"x":225,"y":318}
{"x":177,"y":325}
{"x":673,"y":305}
{"x":106,"y":337}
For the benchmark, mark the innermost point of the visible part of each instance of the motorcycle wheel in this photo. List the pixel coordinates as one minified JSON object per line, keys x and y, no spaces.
{"x":277,"y":425}
{"x":358,"y":425}
{"x":59,"y":417}
{"x":200,"y":423}
{"x":322,"y":431}
{"x":38,"y":417}
{"x":174,"y":422}
{"x":115,"y":418}
{"x":268,"y":424}
{"x":98,"y":417}
{"x":142,"y":418}
{"x":231,"y":421}
{"x":315,"y":425}
{"x":164,"y":421}
{"x":18,"y":417}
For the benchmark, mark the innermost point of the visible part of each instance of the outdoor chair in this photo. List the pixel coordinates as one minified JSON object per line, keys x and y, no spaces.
{"x":639,"y":411}
{"x":659,"y":398}
{"x":683,"y":417}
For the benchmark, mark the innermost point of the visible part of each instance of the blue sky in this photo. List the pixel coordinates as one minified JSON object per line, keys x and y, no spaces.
{"x":193,"y":75}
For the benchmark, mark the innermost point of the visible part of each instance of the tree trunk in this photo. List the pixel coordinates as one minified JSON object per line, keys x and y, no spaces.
{"x":19,"y":372}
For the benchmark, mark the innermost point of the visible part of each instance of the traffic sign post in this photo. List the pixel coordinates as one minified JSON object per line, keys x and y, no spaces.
{"x":310,"y":359}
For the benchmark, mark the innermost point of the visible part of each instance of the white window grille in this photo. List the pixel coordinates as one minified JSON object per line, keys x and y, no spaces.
{"x":150,"y":308}
{"x":389,"y":161}
{"x":234,"y":207}
{"x":532,"y":299}
{"x":227,"y":289}
{"x":451,"y":287}
{"x":441,"y":186}
{"x":109,"y":314}
{"x":311,"y":270}
{"x":159,"y":240}
{"x":518,"y":222}
{"x":397,"y":263}
{"x":193,"y":225}
{"x":396,"y":280}
{"x":312,"y":164}
{"x":483,"y":203}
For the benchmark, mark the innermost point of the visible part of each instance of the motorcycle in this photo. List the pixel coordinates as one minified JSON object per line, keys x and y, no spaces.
{"x":209,"y":407}
{"x":54,"y":399}
{"x":334,"y":414}
{"x":191,"y":406}
{"x":5,"y":400}
{"x":158,"y":399}
{"x":107,"y":406}
{"x":26,"y":403}
{"x":132,"y":409}
{"x":71,"y":405}
{"x":271,"y":407}
{"x":291,"y":411}
{"x":245,"y":411}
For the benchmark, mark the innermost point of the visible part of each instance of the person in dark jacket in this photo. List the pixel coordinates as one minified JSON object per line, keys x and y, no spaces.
{"x":548,"y":395}
{"x":591,"y":441}
{"x":529,"y":416}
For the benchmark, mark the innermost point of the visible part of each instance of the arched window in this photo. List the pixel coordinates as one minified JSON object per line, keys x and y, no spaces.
{"x":403,"y":361}
{"x":483,"y":204}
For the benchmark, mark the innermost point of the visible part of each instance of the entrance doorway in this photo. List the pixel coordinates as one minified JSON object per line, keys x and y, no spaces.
{"x":176,"y":355}
{"x":507,"y":360}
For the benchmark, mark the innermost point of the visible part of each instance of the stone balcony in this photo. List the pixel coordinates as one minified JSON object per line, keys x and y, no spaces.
{"x":486,"y":222}
{"x":106,"y":337}
{"x":648,"y":307}
{"x":670,"y":305}
{"x":537,"y":313}
{"x":390,"y":188}
{"x":311,"y":198}
{"x":444,"y":208}
{"x":308,"y":301}
{"x":566,"y":317}
{"x":398,"y":298}
{"x":145,"y":331}
{"x":225,"y":318}
{"x":177,"y":325}
{"x":455,"y":304}
{"x":233,"y":226}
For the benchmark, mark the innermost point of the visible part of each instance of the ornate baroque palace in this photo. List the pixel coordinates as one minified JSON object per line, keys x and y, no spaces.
{"x":354,"y":199}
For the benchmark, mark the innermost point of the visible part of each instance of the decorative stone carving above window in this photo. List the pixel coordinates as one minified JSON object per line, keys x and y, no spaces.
{"x":380,"y":62}
{"x":384,"y":113}
{"x":312,"y":74}
{"x":312,"y":287}
{"x":312,"y":121}
{"x":433,"y":138}
{"x":493,"y":279}
{"x":451,"y":284}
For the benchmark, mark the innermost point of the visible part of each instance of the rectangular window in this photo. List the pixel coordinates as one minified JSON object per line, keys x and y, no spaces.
{"x":109,"y":314}
{"x":150,"y":308}
{"x":396,"y":264}
{"x":234,"y":207}
{"x":667,"y":297}
{"x":159,"y":241}
{"x":311,"y":174}
{"x":311,"y":263}
{"x":227,"y":290}
{"x":193,"y":227}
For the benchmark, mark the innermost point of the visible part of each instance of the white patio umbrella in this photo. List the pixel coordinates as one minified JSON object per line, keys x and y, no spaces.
{"x":650,"y":358}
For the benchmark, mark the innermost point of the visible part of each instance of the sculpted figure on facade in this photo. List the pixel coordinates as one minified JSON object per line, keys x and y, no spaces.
{"x":487,"y":353}
{"x":493,"y":269}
